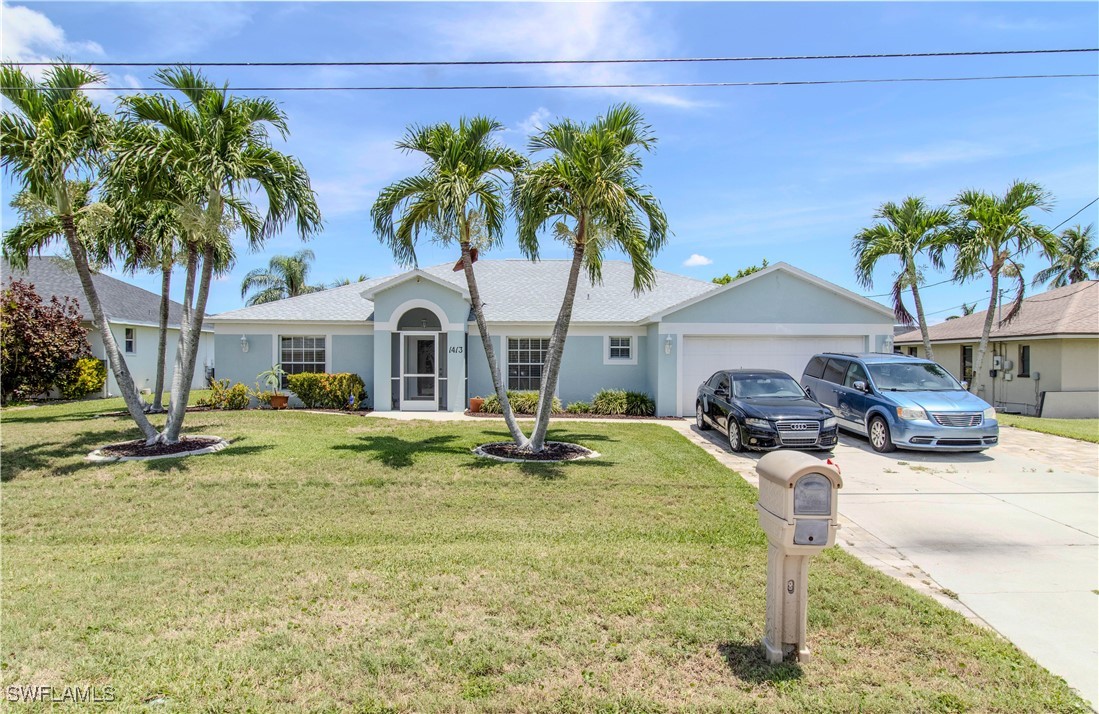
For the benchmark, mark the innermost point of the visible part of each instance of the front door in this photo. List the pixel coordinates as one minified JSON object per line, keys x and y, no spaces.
{"x":419,"y":386}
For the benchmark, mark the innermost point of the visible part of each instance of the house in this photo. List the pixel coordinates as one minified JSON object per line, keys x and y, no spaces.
{"x":1044,"y":362}
{"x":133,"y":314}
{"x":413,"y":339}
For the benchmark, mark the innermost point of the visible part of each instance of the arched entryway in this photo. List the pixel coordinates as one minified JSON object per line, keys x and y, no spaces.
{"x":419,"y":359}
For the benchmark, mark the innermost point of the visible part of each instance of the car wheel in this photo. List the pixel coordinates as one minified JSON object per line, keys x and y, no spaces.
{"x":700,"y":419}
{"x":736,"y":444}
{"x":880,"y":441}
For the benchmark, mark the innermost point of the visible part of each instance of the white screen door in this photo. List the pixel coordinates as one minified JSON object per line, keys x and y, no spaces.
{"x":419,"y":378}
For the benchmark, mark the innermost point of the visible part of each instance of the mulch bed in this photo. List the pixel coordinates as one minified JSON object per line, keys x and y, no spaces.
{"x":566,"y":415}
{"x":138,"y":447}
{"x":551,"y":451}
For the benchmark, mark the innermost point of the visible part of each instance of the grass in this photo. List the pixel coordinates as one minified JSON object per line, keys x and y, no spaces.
{"x":341,"y":563}
{"x":1082,"y":429}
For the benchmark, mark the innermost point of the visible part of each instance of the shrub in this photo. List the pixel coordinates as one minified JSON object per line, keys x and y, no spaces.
{"x":345,"y":390}
{"x":521,"y":403}
{"x":87,"y":377}
{"x":578,"y":408}
{"x":609,"y":402}
{"x":618,"y":401}
{"x":640,"y":404}
{"x":223,"y":396}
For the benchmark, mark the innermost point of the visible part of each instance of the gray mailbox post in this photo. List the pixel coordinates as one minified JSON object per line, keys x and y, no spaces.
{"x":797,"y":510}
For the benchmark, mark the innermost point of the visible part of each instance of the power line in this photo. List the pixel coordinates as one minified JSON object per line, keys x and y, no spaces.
{"x":651,"y":60}
{"x":639,"y":85}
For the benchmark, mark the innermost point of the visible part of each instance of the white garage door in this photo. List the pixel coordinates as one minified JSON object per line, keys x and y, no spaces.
{"x":702,"y":356}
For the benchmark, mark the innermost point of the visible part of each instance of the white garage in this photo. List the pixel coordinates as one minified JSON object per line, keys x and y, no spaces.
{"x":702,"y":356}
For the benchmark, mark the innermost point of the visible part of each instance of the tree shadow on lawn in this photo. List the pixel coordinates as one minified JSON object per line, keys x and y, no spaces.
{"x":746,"y":660}
{"x":398,"y":453}
{"x":45,"y":454}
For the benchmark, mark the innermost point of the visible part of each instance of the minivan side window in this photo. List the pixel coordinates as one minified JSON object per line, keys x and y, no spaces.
{"x":835,"y":370}
{"x":815,"y":368}
{"x":855,"y":373}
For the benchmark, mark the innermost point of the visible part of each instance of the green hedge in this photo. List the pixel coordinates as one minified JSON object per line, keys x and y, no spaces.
{"x":344,"y":390}
{"x":87,"y":376}
{"x":612,"y":402}
{"x":521,"y":403}
{"x":223,"y":396}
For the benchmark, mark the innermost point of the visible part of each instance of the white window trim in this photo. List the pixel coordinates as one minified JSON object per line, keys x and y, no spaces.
{"x":503,"y":360}
{"x":608,"y":360}
{"x":126,"y":339}
{"x":276,"y":347}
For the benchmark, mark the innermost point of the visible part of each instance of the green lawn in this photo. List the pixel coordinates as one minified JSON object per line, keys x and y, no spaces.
{"x":341,"y":563}
{"x":1082,"y":429}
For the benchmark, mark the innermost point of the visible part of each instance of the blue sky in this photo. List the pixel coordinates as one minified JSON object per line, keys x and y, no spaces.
{"x":783,"y":173}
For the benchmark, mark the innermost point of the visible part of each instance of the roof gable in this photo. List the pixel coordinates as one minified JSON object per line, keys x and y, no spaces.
{"x":392,"y":282}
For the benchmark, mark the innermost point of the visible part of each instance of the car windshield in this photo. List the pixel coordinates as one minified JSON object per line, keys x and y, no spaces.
{"x":754,"y":386}
{"x":912,"y":377}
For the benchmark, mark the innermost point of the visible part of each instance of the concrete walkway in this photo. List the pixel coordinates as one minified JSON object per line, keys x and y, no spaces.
{"x":1007,"y":537}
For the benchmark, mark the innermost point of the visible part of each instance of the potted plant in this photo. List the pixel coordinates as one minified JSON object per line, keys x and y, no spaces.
{"x":475,"y":404}
{"x":273,"y":379}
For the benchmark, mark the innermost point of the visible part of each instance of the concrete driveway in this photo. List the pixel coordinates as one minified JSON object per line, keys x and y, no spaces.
{"x":1008,"y":536}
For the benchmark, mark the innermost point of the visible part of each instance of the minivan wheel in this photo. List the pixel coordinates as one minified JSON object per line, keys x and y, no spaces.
{"x":700,"y":419}
{"x":880,"y":441}
{"x":736,"y":444}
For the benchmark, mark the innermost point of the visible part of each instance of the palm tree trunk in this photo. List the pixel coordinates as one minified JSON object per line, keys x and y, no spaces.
{"x":181,"y":386}
{"x":982,"y":348}
{"x":175,"y":408}
{"x":118,"y":364}
{"x":517,"y":434}
{"x":162,"y":337}
{"x":557,"y":346}
{"x":923,"y":322}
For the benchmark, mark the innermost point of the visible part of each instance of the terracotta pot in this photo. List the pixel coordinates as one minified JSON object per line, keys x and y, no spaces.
{"x":279,"y":401}
{"x":475,"y":404}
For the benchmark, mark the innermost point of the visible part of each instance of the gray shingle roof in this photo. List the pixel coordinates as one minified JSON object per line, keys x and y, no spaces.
{"x":1071,"y":310}
{"x":512,"y":290}
{"x":122,"y":302}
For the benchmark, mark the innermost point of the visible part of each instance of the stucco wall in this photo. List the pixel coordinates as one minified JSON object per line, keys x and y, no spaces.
{"x":142,"y":362}
{"x":388,"y":301}
{"x":780,"y":297}
{"x":355,"y":354}
{"x":1079,"y":364}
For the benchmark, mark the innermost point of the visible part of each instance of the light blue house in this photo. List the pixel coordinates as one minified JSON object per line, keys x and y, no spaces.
{"x":413,"y":340}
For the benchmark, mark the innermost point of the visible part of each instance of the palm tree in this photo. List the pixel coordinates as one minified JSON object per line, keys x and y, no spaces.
{"x":1076,"y":259}
{"x":340,"y":282}
{"x":588,"y":192}
{"x":904,"y":231}
{"x":990,"y":232}
{"x":456,"y":198}
{"x":216,"y":150}
{"x":286,"y":276}
{"x":50,"y":142}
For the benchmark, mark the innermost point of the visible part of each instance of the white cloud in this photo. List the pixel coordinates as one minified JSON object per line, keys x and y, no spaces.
{"x":696,"y":261}
{"x":536,"y":122}
{"x":351,"y":181}
{"x":570,"y":31}
{"x":29,"y":36}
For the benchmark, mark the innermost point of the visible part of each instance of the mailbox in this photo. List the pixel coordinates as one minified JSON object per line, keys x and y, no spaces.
{"x":798,"y":500}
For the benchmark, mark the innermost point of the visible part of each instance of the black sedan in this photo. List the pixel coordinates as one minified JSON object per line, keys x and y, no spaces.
{"x":764,"y":409}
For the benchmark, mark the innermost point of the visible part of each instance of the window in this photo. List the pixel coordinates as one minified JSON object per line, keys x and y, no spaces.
{"x":815,"y":368}
{"x":855,"y":373}
{"x":1024,"y":360}
{"x":526,"y":355}
{"x":835,"y":370}
{"x":620,"y":348}
{"x":967,"y":363}
{"x":131,"y":340}
{"x":302,"y":354}
{"x":913,"y":352}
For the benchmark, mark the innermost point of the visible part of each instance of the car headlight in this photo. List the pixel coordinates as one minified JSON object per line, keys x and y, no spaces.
{"x":911,"y":413}
{"x":752,"y":421}
{"x":990,"y":413}
{"x":828,"y":423}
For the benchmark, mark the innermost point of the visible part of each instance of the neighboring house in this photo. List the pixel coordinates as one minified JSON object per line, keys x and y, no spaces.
{"x":412,"y":338}
{"x":1045,"y":361}
{"x":133,"y":314}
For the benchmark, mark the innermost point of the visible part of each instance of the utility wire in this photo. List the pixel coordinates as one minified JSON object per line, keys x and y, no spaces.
{"x":640,"y":85}
{"x":653,"y":60}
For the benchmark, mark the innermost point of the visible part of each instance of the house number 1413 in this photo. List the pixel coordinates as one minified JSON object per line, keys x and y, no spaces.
{"x":455,"y":350}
